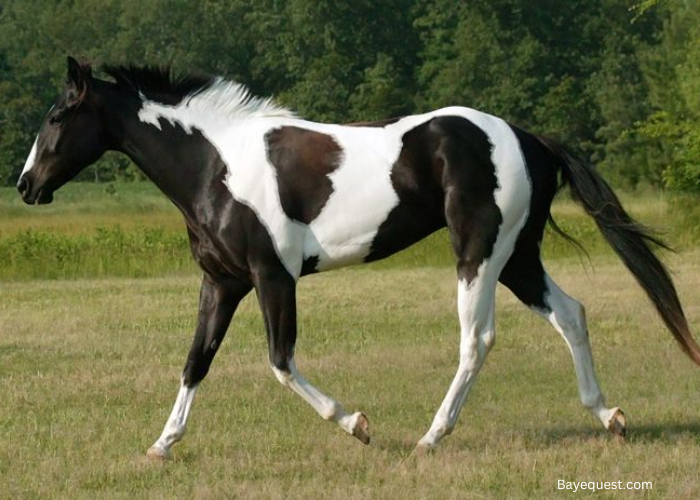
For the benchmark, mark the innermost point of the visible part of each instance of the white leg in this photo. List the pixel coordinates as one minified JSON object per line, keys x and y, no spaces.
{"x":329,"y":409}
{"x":176,"y":424}
{"x":569,"y":318}
{"x":475,"y":303}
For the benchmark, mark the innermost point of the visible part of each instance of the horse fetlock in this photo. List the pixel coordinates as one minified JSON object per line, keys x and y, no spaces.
{"x":331,"y":410}
{"x":593,"y":403}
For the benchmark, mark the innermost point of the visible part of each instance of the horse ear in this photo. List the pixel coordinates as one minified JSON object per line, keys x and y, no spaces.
{"x":78,"y":80}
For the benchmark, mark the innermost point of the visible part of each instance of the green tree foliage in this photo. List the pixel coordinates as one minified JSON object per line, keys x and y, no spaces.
{"x":672,"y":71}
{"x":617,"y":80}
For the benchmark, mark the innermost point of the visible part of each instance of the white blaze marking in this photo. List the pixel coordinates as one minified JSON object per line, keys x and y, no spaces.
{"x":31,"y":159}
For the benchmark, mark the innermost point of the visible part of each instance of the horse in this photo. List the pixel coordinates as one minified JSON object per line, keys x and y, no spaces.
{"x":268,"y":197}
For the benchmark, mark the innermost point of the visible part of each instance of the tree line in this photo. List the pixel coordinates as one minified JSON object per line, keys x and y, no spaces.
{"x":620,"y":85}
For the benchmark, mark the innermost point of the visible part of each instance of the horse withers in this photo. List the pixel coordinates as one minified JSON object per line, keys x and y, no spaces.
{"x":269,"y":197}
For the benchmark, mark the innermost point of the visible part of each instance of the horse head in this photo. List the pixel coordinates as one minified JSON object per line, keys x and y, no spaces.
{"x":70,"y":138}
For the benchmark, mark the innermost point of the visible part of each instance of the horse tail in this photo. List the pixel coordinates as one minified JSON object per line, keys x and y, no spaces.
{"x":632,"y":241}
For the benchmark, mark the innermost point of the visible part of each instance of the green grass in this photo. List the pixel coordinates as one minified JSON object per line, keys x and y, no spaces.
{"x":132,"y":230}
{"x":89,"y":370}
{"x":90,"y":357}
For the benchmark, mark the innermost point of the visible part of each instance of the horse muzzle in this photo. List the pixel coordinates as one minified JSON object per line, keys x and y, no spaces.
{"x":32,"y":194}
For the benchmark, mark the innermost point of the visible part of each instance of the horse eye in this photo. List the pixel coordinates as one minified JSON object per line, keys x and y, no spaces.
{"x":57,"y":117}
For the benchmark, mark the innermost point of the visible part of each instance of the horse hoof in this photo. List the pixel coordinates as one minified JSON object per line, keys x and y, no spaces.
{"x":361,"y":429}
{"x":423,"y":450}
{"x":618,"y":425}
{"x":157,"y":454}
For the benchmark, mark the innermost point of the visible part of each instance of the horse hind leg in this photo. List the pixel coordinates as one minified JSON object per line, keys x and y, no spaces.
{"x":480,"y":259}
{"x":527,"y":279}
{"x":477,"y":336}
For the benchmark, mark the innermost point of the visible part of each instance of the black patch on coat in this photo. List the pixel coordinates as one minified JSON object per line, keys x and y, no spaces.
{"x":309,"y":265}
{"x":303,"y":160}
{"x":469,"y":181}
{"x":416,"y":179}
{"x":444,"y":176}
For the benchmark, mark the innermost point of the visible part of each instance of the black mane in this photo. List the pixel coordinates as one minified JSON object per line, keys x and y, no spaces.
{"x":159,"y":82}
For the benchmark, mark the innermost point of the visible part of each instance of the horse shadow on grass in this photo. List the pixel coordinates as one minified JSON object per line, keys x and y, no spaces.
{"x":542,"y":438}
{"x":643,"y":433}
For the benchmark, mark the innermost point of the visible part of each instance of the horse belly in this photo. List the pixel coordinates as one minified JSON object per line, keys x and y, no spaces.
{"x":346,"y":228}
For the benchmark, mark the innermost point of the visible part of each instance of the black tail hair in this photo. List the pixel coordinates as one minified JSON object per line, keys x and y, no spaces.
{"x":631,"y":241}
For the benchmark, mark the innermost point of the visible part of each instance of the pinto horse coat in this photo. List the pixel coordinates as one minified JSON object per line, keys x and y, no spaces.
{"x":268,"y":197}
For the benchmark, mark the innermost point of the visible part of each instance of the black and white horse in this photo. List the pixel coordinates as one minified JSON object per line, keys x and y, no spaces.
{"x":269,"y":197}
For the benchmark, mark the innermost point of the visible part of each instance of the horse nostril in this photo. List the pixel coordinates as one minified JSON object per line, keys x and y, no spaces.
{"x":23,"y":185}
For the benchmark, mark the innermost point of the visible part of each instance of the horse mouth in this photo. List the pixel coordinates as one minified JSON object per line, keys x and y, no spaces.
{"x":41,"y":197}
{"x":44,"y":197}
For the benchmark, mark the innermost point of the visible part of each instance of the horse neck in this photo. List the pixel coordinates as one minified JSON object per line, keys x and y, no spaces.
{"x":174,"y":159}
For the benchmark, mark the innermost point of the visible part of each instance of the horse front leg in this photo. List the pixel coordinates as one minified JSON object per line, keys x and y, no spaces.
{"x":217,"y":303}
{"x":277,"y":295}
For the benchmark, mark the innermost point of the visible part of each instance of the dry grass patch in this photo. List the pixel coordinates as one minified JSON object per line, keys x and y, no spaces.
{"x":89,"y":371}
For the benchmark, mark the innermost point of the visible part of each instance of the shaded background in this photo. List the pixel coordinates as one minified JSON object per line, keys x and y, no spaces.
{"x":620,"y":84}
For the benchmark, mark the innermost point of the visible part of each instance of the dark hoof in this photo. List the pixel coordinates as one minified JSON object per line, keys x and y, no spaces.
{"x":157,"y":455}
{"x":361,"y":430}
{"x":618,"y":425}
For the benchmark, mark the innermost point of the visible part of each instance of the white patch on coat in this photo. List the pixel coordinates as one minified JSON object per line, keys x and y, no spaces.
{"x":363,"y":195}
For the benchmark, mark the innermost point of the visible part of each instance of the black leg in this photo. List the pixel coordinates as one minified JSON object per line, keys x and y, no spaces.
{"x":217,"y":303}
{"x":276,"y":291}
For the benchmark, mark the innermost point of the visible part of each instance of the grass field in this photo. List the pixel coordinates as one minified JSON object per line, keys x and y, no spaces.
{"x":89,"y":369}
{"x":132,"y":230}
